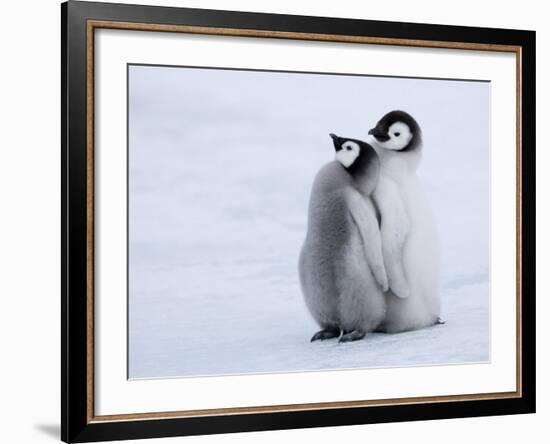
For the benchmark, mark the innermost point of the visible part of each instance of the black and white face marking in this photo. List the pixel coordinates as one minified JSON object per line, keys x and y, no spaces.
{"x":399,"y":137}
{"x":356,"y":156}
{"x":397,"y":131}
{"x":348,"y":154}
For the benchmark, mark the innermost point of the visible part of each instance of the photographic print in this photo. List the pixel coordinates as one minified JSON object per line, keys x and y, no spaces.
{"x":277,"y":222}
{"x":298,"y":221}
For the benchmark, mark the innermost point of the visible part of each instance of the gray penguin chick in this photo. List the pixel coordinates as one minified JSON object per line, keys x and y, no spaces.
{"x":341,"y":266}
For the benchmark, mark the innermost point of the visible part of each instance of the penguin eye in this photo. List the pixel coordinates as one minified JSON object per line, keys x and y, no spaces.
{"x":348,"y":148}
{"x":396,"y":134}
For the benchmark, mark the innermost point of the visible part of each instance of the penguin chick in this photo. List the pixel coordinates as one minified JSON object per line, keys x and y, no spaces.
{"x":398,"y":140}
{"x":341,"y":267}
{"x":409,"y":235}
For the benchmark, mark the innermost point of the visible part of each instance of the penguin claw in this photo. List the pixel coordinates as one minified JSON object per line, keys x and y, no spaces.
{"x":353,"y":335}
{"x":440,"y":321}
{"x":327,"y":333}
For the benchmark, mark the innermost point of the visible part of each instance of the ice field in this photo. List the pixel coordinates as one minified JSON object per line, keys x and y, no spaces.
{"x":220,"y":169}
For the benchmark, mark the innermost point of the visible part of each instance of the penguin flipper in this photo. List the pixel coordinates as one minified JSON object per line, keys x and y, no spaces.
{"x":393,"y":255}
{"x":364,"y":215}
{"x":394,"y":227}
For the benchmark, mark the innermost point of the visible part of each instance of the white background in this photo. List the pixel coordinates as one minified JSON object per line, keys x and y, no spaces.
{"x":29,"y":239}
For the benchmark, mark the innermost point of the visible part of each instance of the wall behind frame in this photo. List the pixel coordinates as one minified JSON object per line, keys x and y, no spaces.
{"x":30,"y":210}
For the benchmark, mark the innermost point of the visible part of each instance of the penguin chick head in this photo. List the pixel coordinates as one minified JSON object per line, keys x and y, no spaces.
{"x":397,"y":131}
{"x":356,"y":156}
{"x":347,"y":150}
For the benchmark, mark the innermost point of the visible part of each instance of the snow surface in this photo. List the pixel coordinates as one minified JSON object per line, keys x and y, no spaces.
{"x":220,"y":168}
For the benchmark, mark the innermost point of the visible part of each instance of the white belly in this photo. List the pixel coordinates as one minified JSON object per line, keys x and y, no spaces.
{"x":420,"y":255}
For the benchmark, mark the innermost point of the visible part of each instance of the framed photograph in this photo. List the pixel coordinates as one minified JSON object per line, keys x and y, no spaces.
{"x":275,"y":221}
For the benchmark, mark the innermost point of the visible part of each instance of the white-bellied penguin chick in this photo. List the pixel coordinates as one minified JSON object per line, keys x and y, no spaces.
{"x":409,"y":237}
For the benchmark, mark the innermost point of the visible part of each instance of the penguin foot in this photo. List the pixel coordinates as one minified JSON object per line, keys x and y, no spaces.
{"x":353,"y":335}
{"x":440,"y":321}
{"x":326,"y":333}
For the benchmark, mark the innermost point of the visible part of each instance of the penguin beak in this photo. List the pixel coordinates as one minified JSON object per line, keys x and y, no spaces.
{"x":336,"y":141}
{"x":379,"y":134}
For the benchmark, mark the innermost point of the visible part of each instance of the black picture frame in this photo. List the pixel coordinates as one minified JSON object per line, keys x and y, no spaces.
{"x":77,"y":425}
